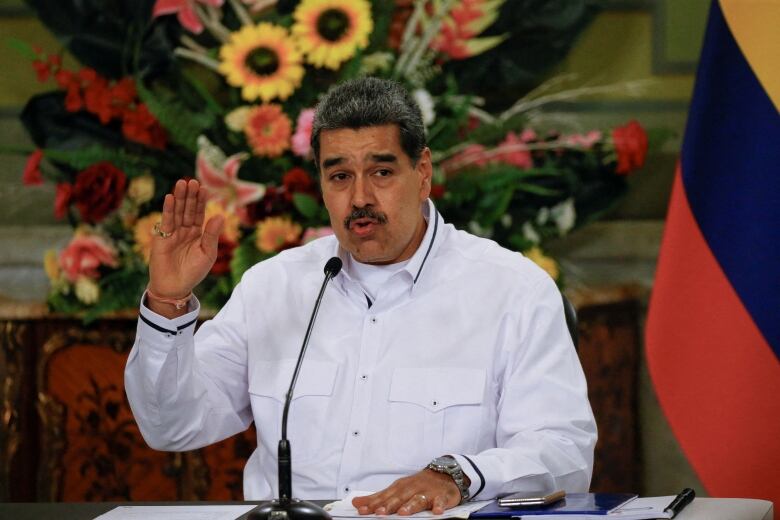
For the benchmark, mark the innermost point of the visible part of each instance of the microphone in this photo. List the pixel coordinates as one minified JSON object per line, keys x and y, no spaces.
{"x":286,"y":507}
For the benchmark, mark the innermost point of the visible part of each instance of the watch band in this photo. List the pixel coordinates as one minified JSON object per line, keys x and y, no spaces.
{"x":448,"y":465}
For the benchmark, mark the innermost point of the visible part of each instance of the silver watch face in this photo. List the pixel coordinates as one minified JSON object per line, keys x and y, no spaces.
{"x":446,"y":462}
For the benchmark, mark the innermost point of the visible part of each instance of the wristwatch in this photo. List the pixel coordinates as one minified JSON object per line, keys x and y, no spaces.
{"x":447,"y":464}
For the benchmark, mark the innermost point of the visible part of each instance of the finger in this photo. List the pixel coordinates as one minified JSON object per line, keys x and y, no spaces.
{"x":191,"y":203}
{"x":179,"y":197}
{"x":390,"y":506}
{"x":361,"y":504}
{"x":200,"y":210}
{"x":167,"y":221}
{"x":439,"y":504}
{"x":210,"y":240}
{"x":417,"y":503}
{"x":369,"y":503}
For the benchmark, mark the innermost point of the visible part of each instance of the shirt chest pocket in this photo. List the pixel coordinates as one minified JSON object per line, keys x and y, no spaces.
{"x":433,"y":412}
{"x":310,"y":408}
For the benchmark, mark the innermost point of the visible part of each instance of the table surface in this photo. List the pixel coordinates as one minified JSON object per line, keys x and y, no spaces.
{"x":699,"y":509}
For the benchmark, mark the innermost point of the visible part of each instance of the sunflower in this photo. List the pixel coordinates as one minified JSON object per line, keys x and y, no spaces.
{"x":263,"y":61}
{"x":330,"y":31}
{"x":268,"y":130}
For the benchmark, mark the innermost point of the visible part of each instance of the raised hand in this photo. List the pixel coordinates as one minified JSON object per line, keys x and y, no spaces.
{"x":183,"y":251}
{"x":423,"y":491}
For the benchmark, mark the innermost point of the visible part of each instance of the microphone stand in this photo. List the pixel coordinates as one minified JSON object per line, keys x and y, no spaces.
{"x":286,"y":507}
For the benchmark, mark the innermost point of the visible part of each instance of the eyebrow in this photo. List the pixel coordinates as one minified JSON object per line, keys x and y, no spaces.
{"x":376,"y":157}
{"x":384,"y":157}
{"x":333,"y":161}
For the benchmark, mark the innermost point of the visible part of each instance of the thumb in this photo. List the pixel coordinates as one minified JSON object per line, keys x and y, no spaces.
{"x":211,"y":233}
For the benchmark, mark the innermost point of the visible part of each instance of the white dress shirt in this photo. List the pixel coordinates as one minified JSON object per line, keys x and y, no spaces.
{"x":464,"y":351}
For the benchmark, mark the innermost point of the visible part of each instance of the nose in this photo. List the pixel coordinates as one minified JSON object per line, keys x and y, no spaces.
{"x":362,"y":192}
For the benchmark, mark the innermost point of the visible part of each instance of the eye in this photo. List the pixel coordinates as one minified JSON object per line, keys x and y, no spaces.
{"x":338,"y":177}
{"x":383,"y":173}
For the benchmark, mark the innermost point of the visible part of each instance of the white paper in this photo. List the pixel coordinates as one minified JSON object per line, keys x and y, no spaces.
{"x":344,"y":509}
{"x":226,"y":512}
{"x":642,"y":508}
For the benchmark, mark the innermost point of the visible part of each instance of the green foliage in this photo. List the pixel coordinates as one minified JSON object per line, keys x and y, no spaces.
{"x":131,"y":164}
{"x":183,"y":125}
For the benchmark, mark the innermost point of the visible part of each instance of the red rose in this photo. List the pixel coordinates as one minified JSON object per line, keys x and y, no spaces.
{"x":62,"y":199}
{"x":98,"y":191}
{"x":297,"y":180}
{"x":631,"y":147}
{"x":32,"y":170}
{"x":437,"y":191}
{"x":225,"y":250}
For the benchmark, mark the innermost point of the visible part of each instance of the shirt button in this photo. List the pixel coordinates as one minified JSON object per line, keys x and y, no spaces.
{"x":373,"y":319}
{"x":364,"y":377}
{"x":346,"y":490}
{"x":436,"y":403}
{"x":355,"y":433}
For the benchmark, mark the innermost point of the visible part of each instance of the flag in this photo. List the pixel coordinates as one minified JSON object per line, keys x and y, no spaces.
{"x":713,"y":328}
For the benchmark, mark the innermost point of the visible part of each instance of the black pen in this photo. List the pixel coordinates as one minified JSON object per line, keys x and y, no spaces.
{"x":685,"y":497}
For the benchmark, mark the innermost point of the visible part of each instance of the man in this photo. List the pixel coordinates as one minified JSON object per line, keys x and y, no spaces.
{"x":432,"y":347}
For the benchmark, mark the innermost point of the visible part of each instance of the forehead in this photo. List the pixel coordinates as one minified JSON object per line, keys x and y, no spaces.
{"x":358,"y":144}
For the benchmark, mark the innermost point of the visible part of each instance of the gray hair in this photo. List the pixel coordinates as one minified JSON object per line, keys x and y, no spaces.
{"x":365,"y":102}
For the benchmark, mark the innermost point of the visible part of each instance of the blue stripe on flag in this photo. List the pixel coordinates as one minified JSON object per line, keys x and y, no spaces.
{"x":731,"y":171}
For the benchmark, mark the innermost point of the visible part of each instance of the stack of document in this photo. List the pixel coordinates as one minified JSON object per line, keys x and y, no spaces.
{"x":584,"y":506}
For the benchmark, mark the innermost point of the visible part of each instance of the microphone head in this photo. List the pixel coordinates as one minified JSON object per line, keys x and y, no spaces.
{"x":333,"y":266}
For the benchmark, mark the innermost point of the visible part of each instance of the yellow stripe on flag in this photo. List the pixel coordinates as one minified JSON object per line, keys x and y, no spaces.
{"x":755,"y":25}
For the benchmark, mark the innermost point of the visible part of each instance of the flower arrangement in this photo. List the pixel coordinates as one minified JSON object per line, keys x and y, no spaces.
{"x":225,"y":90}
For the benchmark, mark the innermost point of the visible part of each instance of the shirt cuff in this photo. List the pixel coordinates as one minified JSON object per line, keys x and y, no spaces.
{"x":159,"y":330}
{"x":474,"y":474}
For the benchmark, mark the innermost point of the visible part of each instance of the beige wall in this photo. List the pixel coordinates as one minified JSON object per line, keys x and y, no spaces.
{"x":649,"y":40}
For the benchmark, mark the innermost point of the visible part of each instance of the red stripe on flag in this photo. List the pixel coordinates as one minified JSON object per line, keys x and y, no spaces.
{"x":716,"y":377}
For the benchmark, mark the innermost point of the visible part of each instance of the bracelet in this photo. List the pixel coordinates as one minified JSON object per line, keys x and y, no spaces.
{"x":179,"y":303}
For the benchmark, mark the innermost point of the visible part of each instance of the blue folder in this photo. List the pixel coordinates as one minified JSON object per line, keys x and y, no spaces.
{"x":572,"y":504}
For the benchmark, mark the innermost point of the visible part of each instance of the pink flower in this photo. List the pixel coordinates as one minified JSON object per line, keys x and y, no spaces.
{"x":585,"y":141}
{"x":32,"y":170}
{"x":219,"y":176}
{"x":315,"y":233}
{"x":185,"y":11}
{"x":473,"y":154}
{"x":301,"y":140}
{"x":513,"y":150}
{"x":84,"y":255}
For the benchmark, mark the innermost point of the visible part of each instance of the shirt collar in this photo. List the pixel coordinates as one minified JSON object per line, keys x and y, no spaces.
{"x":417,"y":263}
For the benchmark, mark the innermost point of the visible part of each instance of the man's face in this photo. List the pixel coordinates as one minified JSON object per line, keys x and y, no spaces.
{"x":373,"y":193}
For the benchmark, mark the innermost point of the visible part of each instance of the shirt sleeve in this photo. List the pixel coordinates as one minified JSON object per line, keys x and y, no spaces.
{"x":546,"y":431}
{"x":188,"y":390}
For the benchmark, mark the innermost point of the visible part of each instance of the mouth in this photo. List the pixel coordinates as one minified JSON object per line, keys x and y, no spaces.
{"x":363,"y":227}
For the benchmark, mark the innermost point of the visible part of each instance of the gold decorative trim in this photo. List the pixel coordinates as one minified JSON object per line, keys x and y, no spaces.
{"x":11,"y":345}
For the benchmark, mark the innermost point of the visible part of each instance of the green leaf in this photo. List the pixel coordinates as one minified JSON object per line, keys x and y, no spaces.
{"x":245,"y":256}
{"x":82,"y":158}
{"x":22,"y":47}
{"x":183,"y":125}
{"x":538,"y":190}
{"x":306,"y":205}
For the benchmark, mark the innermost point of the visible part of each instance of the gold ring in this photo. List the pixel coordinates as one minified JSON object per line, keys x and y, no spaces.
{"x":159,"y":232}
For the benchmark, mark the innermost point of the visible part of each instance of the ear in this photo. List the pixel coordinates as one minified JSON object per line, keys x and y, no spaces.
{"x":425,"y":170}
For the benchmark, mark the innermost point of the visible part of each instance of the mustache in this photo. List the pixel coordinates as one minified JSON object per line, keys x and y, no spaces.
{"x":365,"y":212}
